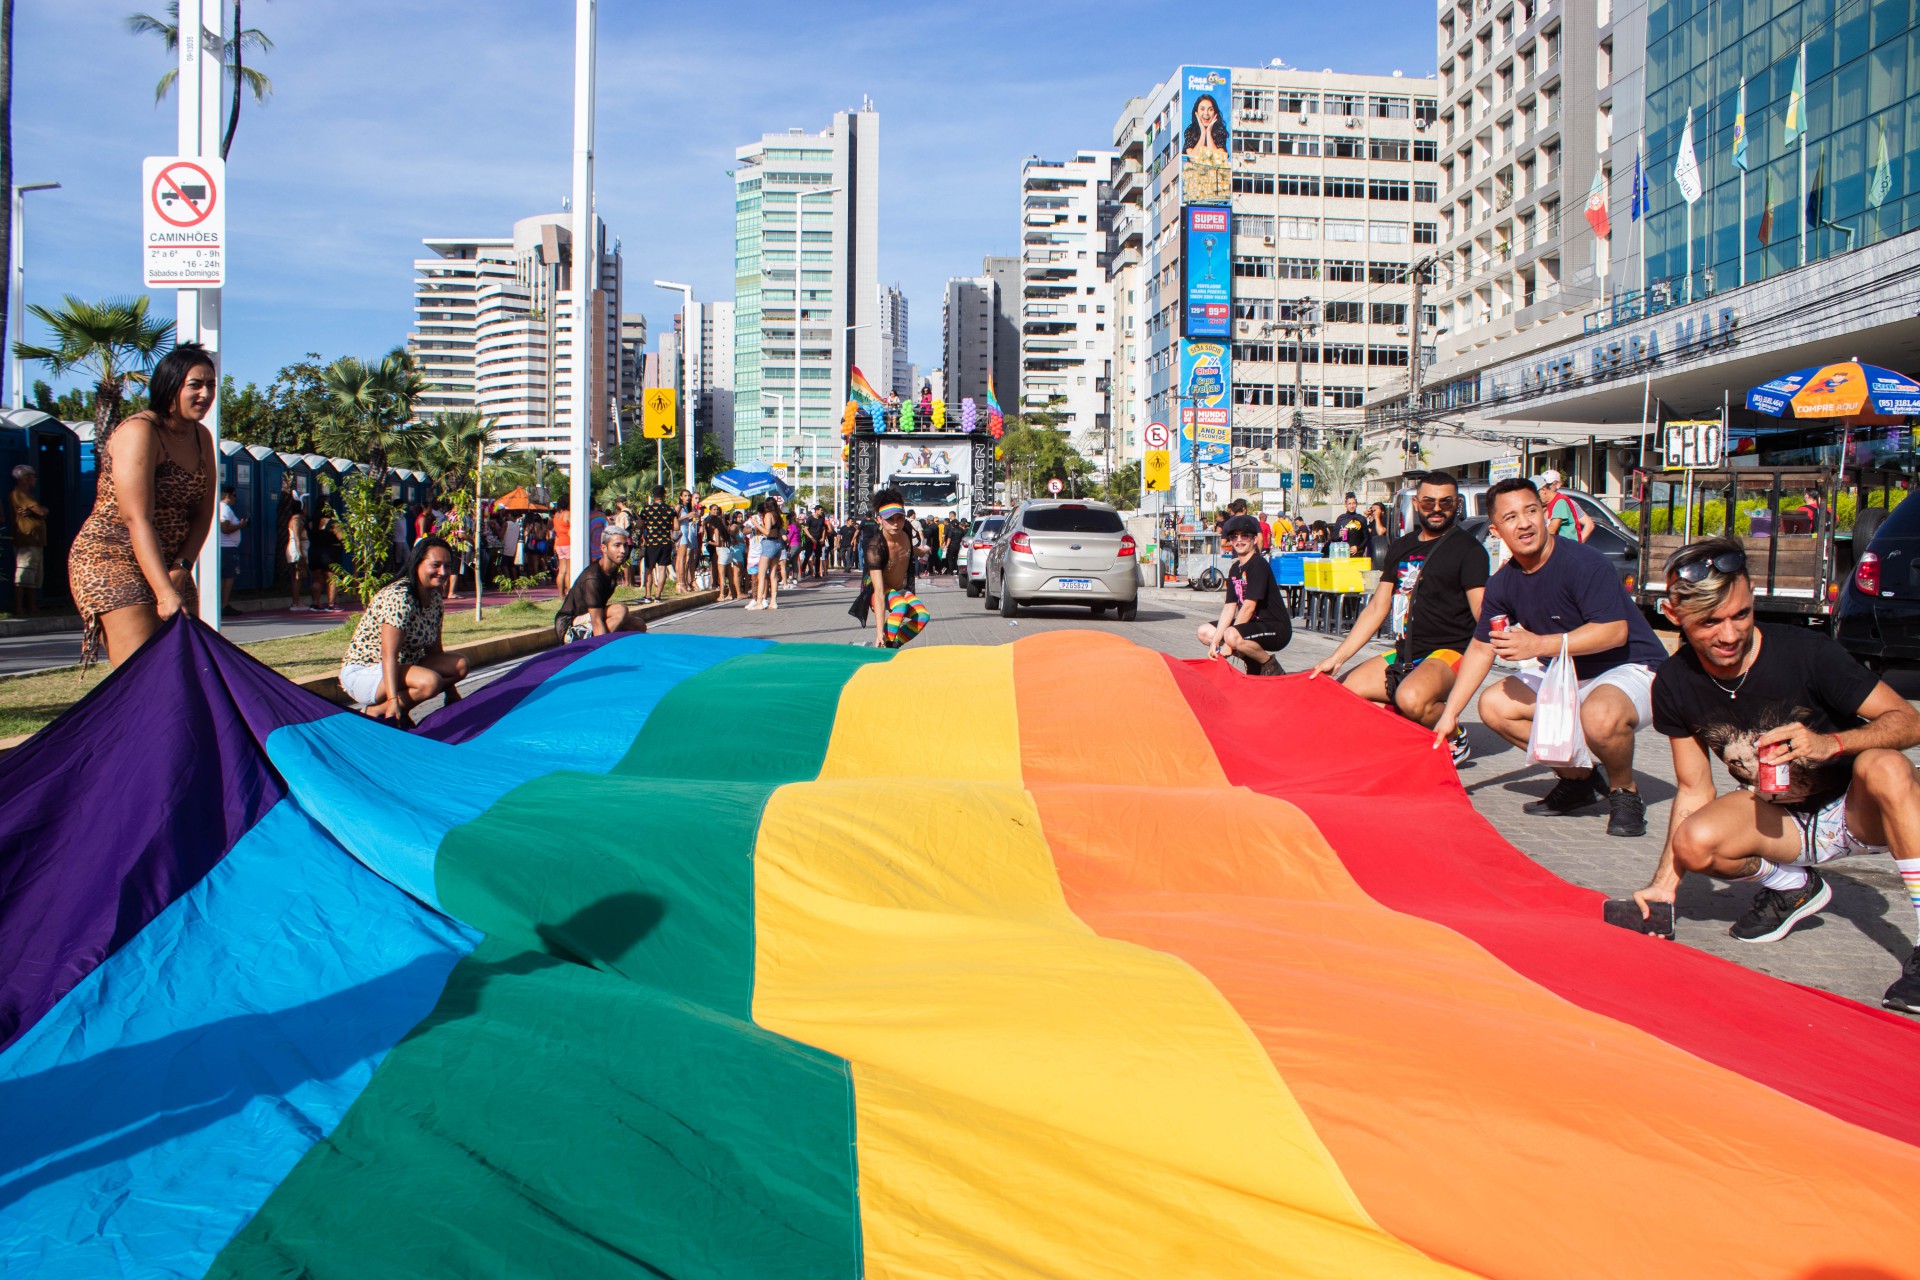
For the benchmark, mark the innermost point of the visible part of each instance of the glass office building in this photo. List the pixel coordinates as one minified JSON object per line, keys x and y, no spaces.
{"x":1862,"y":135}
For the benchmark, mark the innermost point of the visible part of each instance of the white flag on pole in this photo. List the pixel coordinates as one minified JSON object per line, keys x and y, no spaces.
{"x":1686,"y":170}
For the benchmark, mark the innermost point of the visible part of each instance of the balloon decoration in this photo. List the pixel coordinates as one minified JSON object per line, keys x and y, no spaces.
{"x":969,"y":415}
{"x":939,"y":415}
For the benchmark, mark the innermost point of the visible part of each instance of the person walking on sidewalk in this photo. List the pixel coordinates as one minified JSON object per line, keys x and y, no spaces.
{"x":29,"y":538}
{"x":1253,"y":623}
{"x":656,"y":544}
{"x":1813,"y":738}
{"x":770,"y":545}
{"x":1431,"y":583}
{"x":1555,"y":593}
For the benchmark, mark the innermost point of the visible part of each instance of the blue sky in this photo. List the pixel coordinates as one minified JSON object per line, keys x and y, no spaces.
{"x":396,"y":120}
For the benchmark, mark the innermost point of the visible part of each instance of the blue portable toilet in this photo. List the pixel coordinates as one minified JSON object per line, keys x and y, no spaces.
{"x":51,"y":448}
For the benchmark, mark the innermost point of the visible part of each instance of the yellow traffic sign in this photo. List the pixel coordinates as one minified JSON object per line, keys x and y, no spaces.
{"x":658,"y":418}
{"x":1157,"y":472}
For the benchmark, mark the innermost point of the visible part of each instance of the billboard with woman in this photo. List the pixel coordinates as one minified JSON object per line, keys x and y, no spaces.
{"x":1206,"y":169}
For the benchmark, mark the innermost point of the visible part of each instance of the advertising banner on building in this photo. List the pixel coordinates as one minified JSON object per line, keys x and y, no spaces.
{"x":1206,"y":413}
{"x":1206,"y":168}
{"x":1206,"y":252}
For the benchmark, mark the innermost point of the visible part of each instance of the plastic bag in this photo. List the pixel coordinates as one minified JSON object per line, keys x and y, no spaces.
{"x":1556,"y":739}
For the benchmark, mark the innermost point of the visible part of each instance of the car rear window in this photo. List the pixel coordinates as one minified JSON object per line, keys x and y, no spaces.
{"x":1904,"y":521}
{"x":1071,"y":520}
{"x":990,"y":525}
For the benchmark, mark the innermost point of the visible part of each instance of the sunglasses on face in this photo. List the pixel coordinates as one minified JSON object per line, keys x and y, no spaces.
{"x":1436,"y":504}
{"x":1725,"y":562}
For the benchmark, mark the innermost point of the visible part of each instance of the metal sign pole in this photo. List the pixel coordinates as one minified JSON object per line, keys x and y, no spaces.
{"x":197,"y":311}
{"x":586,"y":264}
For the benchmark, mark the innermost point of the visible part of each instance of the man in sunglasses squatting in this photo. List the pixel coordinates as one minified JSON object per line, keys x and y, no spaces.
{"x":1813,"y":738}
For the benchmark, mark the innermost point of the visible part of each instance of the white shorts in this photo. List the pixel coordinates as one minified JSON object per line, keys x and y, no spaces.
{"x":1824,"y":836}
{"x":361,"y":681}
{"x":1635,"y":679}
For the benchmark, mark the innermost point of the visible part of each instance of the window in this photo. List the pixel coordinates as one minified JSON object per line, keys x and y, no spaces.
{"x":1346,"y":147}
{"x":1253,"y":268}
{"x":1297,"y":184}
{"x":1426,"y":149}
{"x":1426,"y":193}
{"x":1252,"y":309}
{"x":1253,"y":184}
{"x":1387,"y":313}
{"x":1345,"y":104}
{"x":1254,"y":143}
{"x":1296,"y":144}
{"x":1346,"y":230}
{"x":1071,"y":519}
{"x":1426,"y":233}
{"x":1260,"y":351}
{"x":1297,"y":268}
{"x":1297,"y":103}
{"x":1389,"y":108}
{"x":1386,"y":189}
{"x":1250,"y":393}
{"x":1390,"y":149}
{"x":1339,"y":269}
{"x":1251,"y":100}
{"x":1344,"y":188}
{"x":1342,"y":353}
{"x":1425,"y":109}
{"x":1387,"y":232}
{"x":1343,"y":397}
{"x":1297,"y":228}
{"x":1342,"y":312}
{"x":1253,"y":224}
{"x":1386,"y":272}
{"x":1388,"y":356}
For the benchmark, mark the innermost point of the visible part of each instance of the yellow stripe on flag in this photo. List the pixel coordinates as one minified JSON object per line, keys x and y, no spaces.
{"x":1031,"y":1099}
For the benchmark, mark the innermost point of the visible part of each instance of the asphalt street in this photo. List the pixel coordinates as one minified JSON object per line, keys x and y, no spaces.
{"x":1854,"y":948}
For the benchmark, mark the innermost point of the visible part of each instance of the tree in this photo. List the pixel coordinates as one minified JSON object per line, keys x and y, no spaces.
{"x":230,"y":53}
{"x":1035,"y":450}
{"x":447,"y":446}
{"x":1123,"y":490}
{"x":1343,"y":463}
{"x":113,"y":343}
{"x":370,"y":409}
{"x":366,"y":529}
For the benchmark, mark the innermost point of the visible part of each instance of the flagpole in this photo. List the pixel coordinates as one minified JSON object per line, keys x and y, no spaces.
{"x":1800,"y":82}
{"x":1640,"y":182}
{"x":1743,"y":226}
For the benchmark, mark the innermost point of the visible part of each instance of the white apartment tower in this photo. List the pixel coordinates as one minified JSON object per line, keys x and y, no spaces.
{"x":1334,"y":186}
{"x":493,"y":333}
{"x":894,"y":366}
{"x":1066,"y":338}
{"x":806,"y":261}
{"x":714,"y":408}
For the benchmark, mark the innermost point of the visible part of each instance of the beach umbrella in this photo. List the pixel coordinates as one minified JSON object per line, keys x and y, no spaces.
{"x":752,"y":484}
{"x":1849,"y":389}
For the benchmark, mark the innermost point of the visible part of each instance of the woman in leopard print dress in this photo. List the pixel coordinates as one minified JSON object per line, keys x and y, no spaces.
{"x":131,"y":566}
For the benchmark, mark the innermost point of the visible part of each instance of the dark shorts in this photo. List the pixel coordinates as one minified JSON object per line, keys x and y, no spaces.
{"x":657,"y":557}
{"x":1271,"y":634}
{"x":230,"y":561}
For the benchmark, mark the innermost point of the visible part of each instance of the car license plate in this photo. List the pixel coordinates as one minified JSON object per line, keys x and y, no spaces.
{"x":1076,"y":584}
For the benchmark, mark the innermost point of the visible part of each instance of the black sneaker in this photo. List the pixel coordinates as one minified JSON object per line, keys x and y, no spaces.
{"x":1567,"y":796}
{"x":1626,"y":813}
{"x":1904,"y":995}
{"x":1774,"y":913}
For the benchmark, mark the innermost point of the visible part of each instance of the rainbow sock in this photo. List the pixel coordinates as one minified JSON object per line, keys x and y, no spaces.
{"x":1910,"y":874}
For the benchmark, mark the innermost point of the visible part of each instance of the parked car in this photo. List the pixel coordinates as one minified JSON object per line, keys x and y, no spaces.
{"x":1879,"y":617}
{"x":1052,"y":551}
{"x":973,"y":565}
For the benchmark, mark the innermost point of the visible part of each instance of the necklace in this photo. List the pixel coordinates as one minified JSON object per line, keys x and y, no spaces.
{"x":1735,"y":691}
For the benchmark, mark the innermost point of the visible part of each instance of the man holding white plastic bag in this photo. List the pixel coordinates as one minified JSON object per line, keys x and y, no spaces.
{"x":1558,"y":597}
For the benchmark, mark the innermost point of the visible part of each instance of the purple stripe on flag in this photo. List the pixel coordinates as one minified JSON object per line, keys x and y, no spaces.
{"x":472,"y":716}
{"x":122,"y":804}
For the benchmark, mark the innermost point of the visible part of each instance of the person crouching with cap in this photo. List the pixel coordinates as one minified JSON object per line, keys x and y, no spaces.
{"x":1253,"y":623}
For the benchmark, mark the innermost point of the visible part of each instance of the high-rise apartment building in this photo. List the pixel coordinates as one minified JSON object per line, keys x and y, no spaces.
{"x":714,"y":407}
{"x":1005,"y":274}
{"x":968,"y":324}
{"x":893,"y":373}
{"x":1066,"y":210}
{"x":633,"y":350}
{"x":1252,"y":199}
{"x":806,"y":258}
{"x":493,"y":332}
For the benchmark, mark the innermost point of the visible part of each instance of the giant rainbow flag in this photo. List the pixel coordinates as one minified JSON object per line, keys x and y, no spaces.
{"x":671,"y":955}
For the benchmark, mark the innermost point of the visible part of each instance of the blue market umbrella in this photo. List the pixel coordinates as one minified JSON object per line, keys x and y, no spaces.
{"x":1845,"y":390}
{"x":753,"y":484}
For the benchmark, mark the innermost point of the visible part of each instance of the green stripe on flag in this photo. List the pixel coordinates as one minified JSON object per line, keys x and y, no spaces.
{"x":589,"y":1098}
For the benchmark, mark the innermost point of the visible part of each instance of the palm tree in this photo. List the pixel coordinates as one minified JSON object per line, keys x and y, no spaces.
{"x":114,"y":343}
{"x":450,"y":444}
{"x":168,"y":29}
{"x":1342,"y":464}
{"x":363,"y":420}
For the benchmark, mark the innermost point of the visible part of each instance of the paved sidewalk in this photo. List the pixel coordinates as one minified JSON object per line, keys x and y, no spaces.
{"x":1854,"y":948}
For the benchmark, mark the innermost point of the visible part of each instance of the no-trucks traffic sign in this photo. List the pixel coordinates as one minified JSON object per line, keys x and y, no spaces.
{"x":183,"y":222}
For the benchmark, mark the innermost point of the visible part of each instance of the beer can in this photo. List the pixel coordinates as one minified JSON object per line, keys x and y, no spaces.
{"x":1497,"y":623}
{"x":1772,"y":778}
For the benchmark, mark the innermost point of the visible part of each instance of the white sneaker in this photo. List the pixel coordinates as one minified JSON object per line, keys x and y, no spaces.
{"x":753,"y":604}
{"x":773,"y":604}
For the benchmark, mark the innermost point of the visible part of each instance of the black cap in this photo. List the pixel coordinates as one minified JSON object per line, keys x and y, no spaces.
{"x":1241,"y":524}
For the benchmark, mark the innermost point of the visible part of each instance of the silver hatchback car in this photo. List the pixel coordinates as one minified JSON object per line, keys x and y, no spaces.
{"x":973,"y":565}
{"x":1059,"y":551}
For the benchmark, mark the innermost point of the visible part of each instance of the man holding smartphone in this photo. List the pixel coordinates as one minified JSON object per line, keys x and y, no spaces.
{"x":1814,"y":739}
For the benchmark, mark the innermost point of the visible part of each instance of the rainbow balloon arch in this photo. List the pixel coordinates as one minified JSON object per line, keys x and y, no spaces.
{"x":1119,"y":981}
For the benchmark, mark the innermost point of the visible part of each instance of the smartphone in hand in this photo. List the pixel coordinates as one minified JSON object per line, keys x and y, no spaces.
{"x":1625,"y":913}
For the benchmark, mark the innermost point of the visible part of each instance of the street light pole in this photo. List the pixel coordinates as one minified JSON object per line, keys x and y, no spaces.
{"x":689,"y":352}
{"x":799,"y":309}
{"x":586,"y":264}
{"x":197,"y":311}
{"x":18,"y":311}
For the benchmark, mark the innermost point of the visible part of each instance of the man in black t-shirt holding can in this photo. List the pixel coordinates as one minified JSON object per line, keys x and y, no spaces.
{"x":1253,"y":623}
{"x":1814,"y":739}
{"x":1430,"y":587}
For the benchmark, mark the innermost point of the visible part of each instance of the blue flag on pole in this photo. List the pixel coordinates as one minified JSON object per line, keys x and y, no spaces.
{"x":1642,"y":197}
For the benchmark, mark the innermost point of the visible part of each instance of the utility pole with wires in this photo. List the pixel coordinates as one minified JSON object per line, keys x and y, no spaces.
{"x":1417,"y":274}
{"x":1300,"y":320}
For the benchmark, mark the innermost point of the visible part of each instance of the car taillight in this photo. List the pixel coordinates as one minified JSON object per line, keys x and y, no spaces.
{"x":981,"y":546}
{"x":1866,"y":575}
{"x":1021,"y":543}
{"x":1126,"y":544}
{"x":1630,"y":584}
